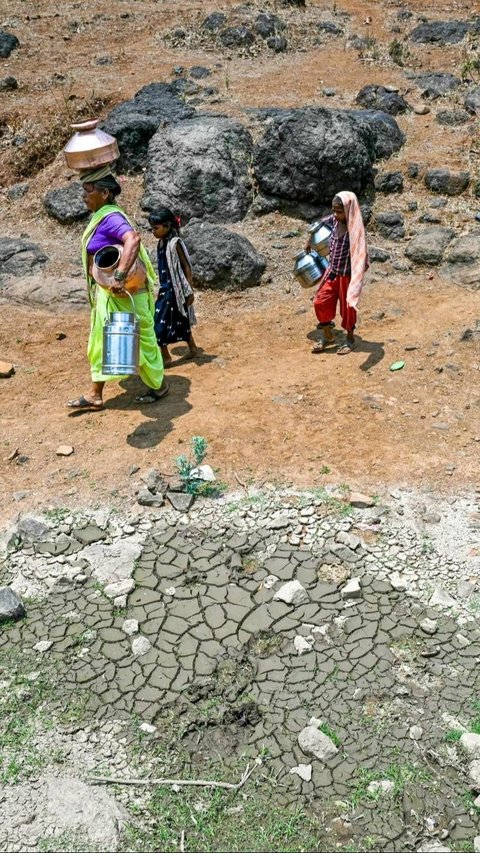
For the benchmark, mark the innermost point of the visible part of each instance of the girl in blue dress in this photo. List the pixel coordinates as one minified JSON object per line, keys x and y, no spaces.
{"x":174,"y":314}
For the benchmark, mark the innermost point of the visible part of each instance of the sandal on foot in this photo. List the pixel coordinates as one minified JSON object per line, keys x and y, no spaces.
{"x":83,"y":403}
{"x":321,"y":346}
{"x":152,"y":396}
{"x":345,"y":349}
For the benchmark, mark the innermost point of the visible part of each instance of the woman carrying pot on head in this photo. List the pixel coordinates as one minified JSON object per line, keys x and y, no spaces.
{"x":109,"y":226}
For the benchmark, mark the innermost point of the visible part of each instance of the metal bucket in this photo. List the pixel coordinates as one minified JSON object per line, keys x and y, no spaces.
{"x":121,"y":343}
{"x":309,"y":268}
{"x":320,"y":237}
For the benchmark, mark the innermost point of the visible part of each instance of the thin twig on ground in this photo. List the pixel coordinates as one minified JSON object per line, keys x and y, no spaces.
{"x":205,"y":783}
{"x":182,"y":842}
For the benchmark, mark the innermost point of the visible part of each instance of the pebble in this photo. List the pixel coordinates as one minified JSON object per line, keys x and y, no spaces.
{"x":415,"y":732}
{"x":140,"y":646}
{"x":429,"y":626}
{"x":43,"y":646}
{"x":6,"y":370}
{"x":65,"y":450}
{"x":130,"y":627}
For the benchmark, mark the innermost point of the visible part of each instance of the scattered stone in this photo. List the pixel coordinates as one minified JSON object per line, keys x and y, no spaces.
{"x":6,"y":370}
{"x":474,"y":774}
{"x":154,"y":481}
{"x":446,"y":182}
{"x":429,"y":626}
{"x":66,"y":204}
{"x":389,"y":182}
{"x":279,"y":523}
{"x":130,"y":627}
{"x":181,"y":501}
{"x":302,"y":645}
{"x":140,"y":646}
{"x":64,"y":450}
{"x":421,"y":109}
{"x":270,"y":581}
{"x":476,"y":844}
{"x":8,"y":42}
{"x":429,"y":245}
{"x":470,"y":742}
{"x":292,"y":593}
{"x":375,"y":97}
{"x":440,"y":32}
{"x":8,"y":84}
{"x":415,"y":732}
{"x":397,"y":581}
{"x":441,"y":598}
{"x":204,"y":473}
{"x":361,"y":501}
{"x":19,"y":257}
{"x":148,"y":729}
{"x":146,"y":498}
{"x":43,"y":646}
{"x":304,"y":771}
{"x":11,"y":606}
{"x":314,"y":742}
{"x":214,"y":21}
{"x":383,"y":786}
{"x":351,"y":590}
{"x":391,"y":224}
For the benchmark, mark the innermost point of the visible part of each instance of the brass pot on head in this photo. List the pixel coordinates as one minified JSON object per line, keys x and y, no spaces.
{"x":90,"y":147}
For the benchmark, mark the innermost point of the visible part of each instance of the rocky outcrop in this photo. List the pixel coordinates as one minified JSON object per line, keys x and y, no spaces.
{"x":221,"y":259}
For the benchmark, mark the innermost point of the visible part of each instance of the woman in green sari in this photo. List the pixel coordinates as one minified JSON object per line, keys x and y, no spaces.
{"x":109,"y":225}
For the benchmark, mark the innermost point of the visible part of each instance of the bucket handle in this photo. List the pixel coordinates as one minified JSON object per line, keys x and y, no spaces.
{"x":126,"y":294}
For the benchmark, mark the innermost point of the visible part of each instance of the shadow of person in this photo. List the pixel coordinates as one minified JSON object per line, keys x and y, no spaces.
{"x":159,"y":415}
{"x":374,"y":349}
{"x":184,"y":357}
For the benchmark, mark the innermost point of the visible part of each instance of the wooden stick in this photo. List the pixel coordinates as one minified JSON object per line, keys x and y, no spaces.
{"x":230,"y":786}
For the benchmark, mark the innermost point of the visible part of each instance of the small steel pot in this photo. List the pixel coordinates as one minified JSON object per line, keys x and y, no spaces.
{"x":320,"y":237}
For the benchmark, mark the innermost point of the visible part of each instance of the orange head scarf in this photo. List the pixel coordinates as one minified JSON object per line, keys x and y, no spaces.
{"x":358,"y":246}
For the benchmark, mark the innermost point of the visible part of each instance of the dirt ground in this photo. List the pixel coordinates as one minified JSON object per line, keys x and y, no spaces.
{"x":270,"y":410}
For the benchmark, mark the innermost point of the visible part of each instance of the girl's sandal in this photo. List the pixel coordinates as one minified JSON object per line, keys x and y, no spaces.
{"x":321,"y":346}
{"x":345,"y":349}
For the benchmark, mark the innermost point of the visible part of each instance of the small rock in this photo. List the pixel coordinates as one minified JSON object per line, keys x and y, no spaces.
{"x":431,"y":518}
{"x":6,"y":370}
{"x":360,"y":501}
{"x":147,"y":728}
{"x":302,"y":645}
{"x":270,"y":581}
{"x":441,"y":598}
{"x":146,"y":498}
{"x":474,"y":774}
{"x":181,"y":501}
{"x":470,"y":742}
{"x":292,"y":593}
{"x":314,"y":742}
{"x":43,"y":646}
{"x":203,"y":472}
{"x":279,"y":523}
{"x":384,"y":786}
{"x":352,"y":589}
{"x":130,"y":626}
{"x":429,"y":626}
{"x":397,"y":581}
{"x":170,"y":590}
{"x":304,"y":771}
{"x":421,"y":109}
{"x":462,"y":641}
{"x":140,"y":646}
{"x":476,"y":844}
{"x":65,"y":450}
{"x":10,"y":605}
{"x":415,"y":732}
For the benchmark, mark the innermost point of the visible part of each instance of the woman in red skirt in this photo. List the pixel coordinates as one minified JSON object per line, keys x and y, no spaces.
{"x":343,"y":280}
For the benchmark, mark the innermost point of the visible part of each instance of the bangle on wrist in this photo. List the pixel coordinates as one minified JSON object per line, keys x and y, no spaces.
{"x":119,"y":275}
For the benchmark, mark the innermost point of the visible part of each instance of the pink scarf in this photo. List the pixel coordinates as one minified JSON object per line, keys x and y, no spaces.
{"x":358,"y":246}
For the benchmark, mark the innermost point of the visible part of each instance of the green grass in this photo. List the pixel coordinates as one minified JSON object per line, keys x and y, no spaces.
{"x":72,"y":842}
{"x":57,"y":515}
{"x":453,"y":735}
{"x":399,"y":774}
{"x":221,"y":821}
{"x":325,"y":728}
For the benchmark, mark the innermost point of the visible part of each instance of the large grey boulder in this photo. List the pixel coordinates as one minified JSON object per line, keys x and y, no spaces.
{"x":66,"y":204}
{"x":429,"y":246}
{"x":380,"y":131}
{"x":134,"y":122}
{"x":434,"y":84}
{"x":307,"y":155}
{"x":221,"y":259}
{"x":42,"y":292}
{"x":8,"y":42}
{"x":462,"y":261}
{"x":10,"y":605}
{"x":375,"y":97}
{"x":200,"y":168}
{"x":446,"y":182}
{"x":441,"y":32}
{"x":19,"y":257}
